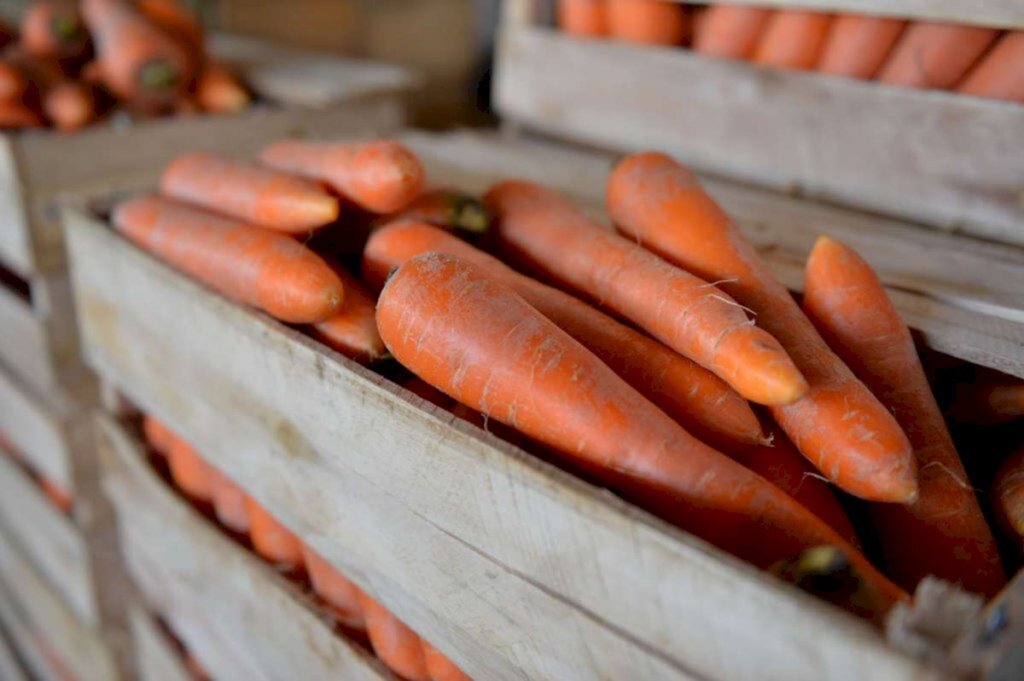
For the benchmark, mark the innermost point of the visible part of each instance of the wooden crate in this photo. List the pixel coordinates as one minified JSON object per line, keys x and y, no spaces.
{"x":940,"y":158}
{"x":157,"y":658}
{"x":10,"y":665}
{"x":239,"y":617}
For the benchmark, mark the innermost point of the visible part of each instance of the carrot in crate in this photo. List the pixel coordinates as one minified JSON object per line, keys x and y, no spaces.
{"x":176,"y":20}
{"x":229,"y":502}
{"x":15,"y":115}
{"x":57,"y":494}
{"x":935,"y":55}
{"x":70,"y":105}
{"x":1000,"y":74}
{"x":53,"y":30}
{"x":586,"y":18}
{"x":218,"y":91}
{"x":646,"y":22}
{"x":340,"y":594}
{"x":189,"y":471}
{"x":989,"y":399}
{"x":697,"y":399}
{"x":944,"y":532}
{"x":838,"y":425}
{"x":7,"y":34}
{"x":271,"y":539}
{"x":395,"y":644}
{"x":260,"y":267}
{"x":13,"y":81}
{"x":446,"y":208}
{"x":688,"y":314}
{"x":439,"y":667}
{"x":478,"y":341}
{"x":158,"y":435}
{"x":858,"y":45}
{"x":353,"y":331}
{"x":793,"y":39}
{"x":1008,"y":493}
{"x":380,"y":176}
{"x":731,"y":31}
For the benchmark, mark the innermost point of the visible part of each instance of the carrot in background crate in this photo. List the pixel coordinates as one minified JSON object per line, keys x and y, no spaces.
{"x":53,"y":30}
{"x":13,"y":81}
{"x":731,"y":31}
{"x":858,"y":45}
{"x":793,"y":39}
{"x":176,"y":20}
{"x":646,"y":22}
{"x":272,"y":540}
{"x":935,"y":55}
{"x":1008,"y":496}
{"x":57,"y":494}
{"x":944,"y":532}
{"x":158,"y":435}
{"x":219,"y":91}
{"x":446,"y":208}
{"x":71,"y":105}
{"x":189,"y":471}
{"x":1000,"y":74}
{"x":395,"y":644}
{"x":586,"y":18}
{"x":15,"y":115}
{"x":989,"y":399}
{"x":257,"y":266}
{"x":839,"y":425}
{"x":228,"y":502}
{"x":340,"y":594}
{"x":439,"y":667}
{"x":353,"y":331}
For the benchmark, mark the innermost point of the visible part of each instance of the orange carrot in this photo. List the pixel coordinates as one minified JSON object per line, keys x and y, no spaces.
{"x":7,"y":34}
{"x":13,"y":82}
{"x":190,"y":473}
{"x":341,"y":595}
{"x":158,"y":435}
{"x":53,"y":30}
{"x":686,"y":313}
{"x":265,"y":269}
{"x":271,"y":539}
{"x":794,"y":39}
{"x":353,"y":331}
{"x":989,"y":399}
{"x":935,"y":55}
{"x":92,"y":73}
{"x":1008,"y":490}
{"x":218,"y":91}
{"x":381,"y":176}
{"x":838,"y":425}
{"x":439,"y":667}
{"x":858,"y":45}
{"x":731,"y":31}
{"x":393,"y":642}
{"x":697,"y":399}
{"x":70,"y":105}
{"x":446,"y":208}
{"x":228,"y":502}
{"x":582,"y":17}
{"x":646,"y":22}
{"x":1000,"y":74}
{"x":257,"y":195}
{"x":483,"y":345}
{"x":15,"y":115}
{"x":57,"y":494}
{"x":175,"y":20}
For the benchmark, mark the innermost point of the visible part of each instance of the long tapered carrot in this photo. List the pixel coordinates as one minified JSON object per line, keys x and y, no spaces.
{"x":229,"y":502}
{"x":988,"y":400}
{"x":271,"y":539}
{"x":353,"y":331}
{"x":838,"y":425}
{"x":944,"y":532}
{"x":793,"y":39}
{"x":700,"y":401}
{"x":1000,"y":74}
{"x":858,"y":45}
{"x":686,"y":313}
{"x":190,"y":472}
{"x":935,"y":55}
{"x":585,"y":18}
{"x":482,"y":344}
{"x":731,"y":31}
{"x":1008,"y":495}
{"x":446,"y":208}
{"x":257,"y":195}
{"x":219,"y":91}
{"x":53,"y":29}
{"x":70,"y":105}
{"x":256,"y":266}
{"x":395,"y":644}
{"x":340,"y":594}
{"x":646,"y":22}
{"x":439,"y":667}
{"x":157,"y":434}
{"x":381,"y":176}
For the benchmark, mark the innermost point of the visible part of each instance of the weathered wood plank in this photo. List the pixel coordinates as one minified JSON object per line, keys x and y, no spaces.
{"x":156,"y":657}
{"x":37,"y":429}
{"x":10,"y":667}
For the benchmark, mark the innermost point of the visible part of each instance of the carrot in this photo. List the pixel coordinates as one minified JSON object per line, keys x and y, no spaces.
{"x":15,"y":115}
{"x":353,"y":331}
{"x":218,"y":91}
{"x":1000,"y":74}
{"x":195,"y":668}
{"x":582,"y":17}
{"x":256,"y":266}
{"x":793,"y":39}
{"x":646,"y":22}
{"x":944,"y":532}
{"x":935,"y":55}
{"x":271,"y":539}
{"x":7,"y":35}
{"x":190,"y":473}
{"x":1008,"y":492}
{"x":838,"y":425}
{"x":686,"y":313}
{"x":92,"y":73}
{"x":479,"y":342}
{"x":158,"y":435}
{"x":381,"y":176}
{"x":13,"y":82}
{"x":858,"y":45}
{"x":176,"y":20}
{"x":57,"y":494}
{"x":341,"y":595}
{"x":257,"y":195}
{"x":53,"y":30}
{"x":988,"y":400}
{"x":229,"y":502}
{"x":394,"y":643}
{"x":446,"y":208}
{"x":70,"y":105}
{"x":697,"y":399}
{"x":439,"y":667}
{"x":731,"y":31}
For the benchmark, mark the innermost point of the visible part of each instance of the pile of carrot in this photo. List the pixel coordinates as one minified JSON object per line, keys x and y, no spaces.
{"x":72,"y":63}
{"x":972,"y":60}
{"x":55,"y":492}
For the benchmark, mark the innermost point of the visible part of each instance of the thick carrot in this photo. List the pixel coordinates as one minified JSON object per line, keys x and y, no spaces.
{"x":340,"y":594}
{"x":1000,"y":74}
{"x":483,"y":345}
{"x":53,"y":30}
{"x":353,"y":331}
{"x":446,"y":208}
{"x":858,"y":45}
{"x":439,"y":667}
{"x":935,"y":55}
{"x":57,"y":494}
{"x":256,"y":266}
{"x":697,"y":399}
{"x":394,"y":643}
{"x":793,"y":39}
{"x":158,"y":435}
{"x":686,"y":313}
{"x":70,"y":105}
{"x":229,"y":502}
{"x":585,"y":18}
{"x":381,"y":176}
{"x":271,"y":539}
{"x":646,"y":22}
{"x":838,"y":425}
{"x":1008,"y":492}
{"x":944,"y":532}
{"x":176,"y":20}
{"x":218,"y":91}
{"x":191,"y":474}
{"x":731,"y":31}
{"x":989,"y":400}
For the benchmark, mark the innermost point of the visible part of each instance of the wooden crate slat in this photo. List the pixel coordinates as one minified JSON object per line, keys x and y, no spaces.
{"x":38,"y":430}
{"x":10,"y":667}
{"x":25,"y":347}
{"x":488,"y":552}
{"x":15,"y":242}
{"x":156,"y":657}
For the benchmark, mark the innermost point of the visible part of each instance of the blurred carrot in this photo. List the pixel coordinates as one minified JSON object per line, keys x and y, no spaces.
{"x":13,"y":82}
{"x":271,"y":539}
{"x":446,"y":208}
{"x":57,"y":494}
{"x":176,"y":20}
{"x":158,"y":435}
{"x":731,"y":31}
{"x":439,"y":667}
{"x":858,"y":45}
{"x":92,"y":73}
{"x":1000,"y":74}
{"x":53,"y":30}
{"x":229,"y":502}
{"x":646,"y":22}
{"x":988,"y":399}
{"x":7,"y":34}
{"x":340,"y":594}
{"x":395,"y":644}
{"x":353,"y":331}
{"x":218,"y":91}
{"x":191,"y":474}
{"x":793,"y":39}
{"x":15,"y":115}
{"x":1008,"y":493}
{"x":935,"y":55}
{"x":70,"y":105}
{"x":582,"y":17}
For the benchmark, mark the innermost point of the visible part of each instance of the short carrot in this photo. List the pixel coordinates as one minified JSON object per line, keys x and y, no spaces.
{"x":1000,"y":73}
{"x":793,"y":39}
{"x":585,"y":18}
{"x":697,"y":399}
{"x":158,"y":435}
{"x":944,"y":532}
{"x":395,"y":644}
{"x":256,"y":266}
{"x":229,"y":502}
{"x":272,"y":540}
{"x":479,"y":342}
{"x":1008,"y":493}
{"x":858,"y":45}
{"x":70,"y":105}
{"x":189,"y":471}
{"x":340,"y":594}
{"x":176,"y":20}
{"x":439,"y":667}
{"x":731,"y":31}
{"x":686,"y":313}
{"x":935,"y":55}
{"x":53,"y":30}
{"x":219,"y":91}
{"x":989,"y":399}
{"x":646,"y":22}
{"x":381,"y":176}
{"x":446,"y":208}
{"x":353,"y":331}
{"x":838,"y":425}
{"x":57,"y":494}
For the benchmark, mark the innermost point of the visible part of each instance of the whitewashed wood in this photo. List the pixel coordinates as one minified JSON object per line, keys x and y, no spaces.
{"x":10,"y":667}
{"x":250,"y":623}
{"x":15,"y":242}
{"x":157,"y":658}
{"x":513,"y":568}
{"x":40,"y":431}
{"x":947,"y":160}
